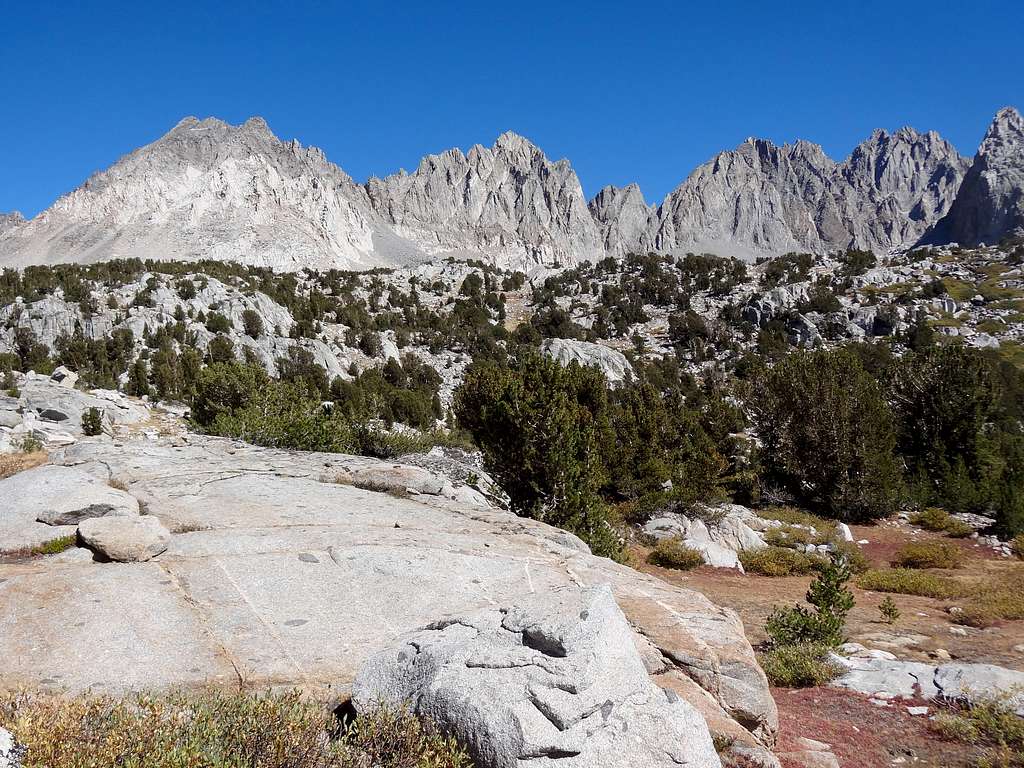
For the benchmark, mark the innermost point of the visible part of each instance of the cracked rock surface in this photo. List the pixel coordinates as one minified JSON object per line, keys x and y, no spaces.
{"x":552,"y":679}
{"x":276,"y":574}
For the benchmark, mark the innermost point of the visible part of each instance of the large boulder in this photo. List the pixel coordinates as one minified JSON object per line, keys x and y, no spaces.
{"x":47,"y":502}
{"x":554,"y":678}
{"x":125,"y":539}
{"x":719,"y":533}
{"x":612,"y":363}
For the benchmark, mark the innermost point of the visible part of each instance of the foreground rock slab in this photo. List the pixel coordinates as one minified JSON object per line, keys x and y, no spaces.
{"x":278,"y":575}
{"x":46,"y":503}
{"x":552,"y":679}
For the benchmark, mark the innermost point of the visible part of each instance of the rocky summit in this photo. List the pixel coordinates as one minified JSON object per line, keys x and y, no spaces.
{"x":212,"y":190}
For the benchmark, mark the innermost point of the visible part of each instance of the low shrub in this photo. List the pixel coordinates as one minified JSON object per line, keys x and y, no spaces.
{"x":778,"y":561}
{"x":940,"y":521}
{"x":794,"y":516}
{"x":673,"y":553}
{"x":799,"y":666}
{"x":928,"y":554}
{"x":218,"y":730}
{"x":907,"y":581}
{"x":92,"y":422}
{"x":855,"y":557}
{"x":55,"y":546}
{"x":794,"y":536}
{"x":990,"y":724}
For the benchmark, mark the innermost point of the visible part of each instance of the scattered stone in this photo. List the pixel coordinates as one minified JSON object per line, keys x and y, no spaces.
{"x":917,"y":711}
{"x":125,"y":539}
{"x":554,"y":676}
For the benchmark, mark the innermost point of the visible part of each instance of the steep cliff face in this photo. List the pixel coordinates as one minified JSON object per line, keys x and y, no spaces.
{"x":990,"y":202}
{"x":508,"y":201}
{"x":764,"y":199}
{"x":623,"y":217}
{"x":211,"y":190}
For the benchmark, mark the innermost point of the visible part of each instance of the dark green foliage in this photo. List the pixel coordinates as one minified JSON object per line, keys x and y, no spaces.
{"x":823,"y":623}
{"x":252,"y":323}
{"x":92,"y":422}
{"x":217,"y":323}
{"x":828,"y":435}
{"x":540,"y":427}
{"x":799,"y":666}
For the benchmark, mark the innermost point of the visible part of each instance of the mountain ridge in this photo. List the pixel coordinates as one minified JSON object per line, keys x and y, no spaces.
{"x":208,"y":189}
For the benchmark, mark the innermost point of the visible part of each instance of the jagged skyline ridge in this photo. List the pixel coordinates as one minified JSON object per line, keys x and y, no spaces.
{"x":211,"y":189}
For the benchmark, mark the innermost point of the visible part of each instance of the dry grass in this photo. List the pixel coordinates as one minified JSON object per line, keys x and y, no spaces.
{"x":940,"y":521}
{"x":217,"y":730}
{"x":51,"y":547}
{"x":907,"y":581}
{"x":13,"y":463}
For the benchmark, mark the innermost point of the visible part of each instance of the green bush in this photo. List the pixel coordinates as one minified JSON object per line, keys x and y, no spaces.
{"x":890,"y":612}
{"x":991,"y":724}
{"x":673,"y":553}
{"x":828,"y":435}
{"x":778,"y":561}
{"x":92,"y":422}
{"x":928,"y":554}
{"x":825,"y":622}
{"x":799,"y":666}
{"x":939,"y":520}
{"x":540,"y":426}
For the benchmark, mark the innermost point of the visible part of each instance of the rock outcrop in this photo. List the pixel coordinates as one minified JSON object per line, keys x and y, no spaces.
{"x":552,"y":679}
{"x":763,"y":199}
{"x":508,"y":201}
{"x":47,"y":502}
{"x":124,"y":539}
{"x":990,"y":202}
{"x":612,"y":363}
{"x":280,"y":575}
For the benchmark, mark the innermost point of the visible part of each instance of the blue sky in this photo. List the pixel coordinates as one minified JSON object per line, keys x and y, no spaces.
{"x":640,"y":91}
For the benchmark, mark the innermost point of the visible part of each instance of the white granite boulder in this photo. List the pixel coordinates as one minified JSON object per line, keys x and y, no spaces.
{"x":554,"y":678}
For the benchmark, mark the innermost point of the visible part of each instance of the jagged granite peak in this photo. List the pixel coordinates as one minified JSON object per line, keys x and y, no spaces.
{"x":990,"y":202}
{"x":623,"y":216}
{"x":207,"y":189}
{"x":765,"y":199}
{"x":508,"y":201}
{"x":10,"y":220}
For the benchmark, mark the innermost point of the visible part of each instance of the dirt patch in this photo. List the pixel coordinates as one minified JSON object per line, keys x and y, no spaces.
{"x":862,"y":734}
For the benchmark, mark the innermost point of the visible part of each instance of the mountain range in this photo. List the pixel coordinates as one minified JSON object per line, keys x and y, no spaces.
{"x":208,"y":189}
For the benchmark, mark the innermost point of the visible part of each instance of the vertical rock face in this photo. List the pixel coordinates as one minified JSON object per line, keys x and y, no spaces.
{"x":765,"y":199}
{"x":623,"y":217}
{"x":990,"y":203}
{"x":508,"y":201}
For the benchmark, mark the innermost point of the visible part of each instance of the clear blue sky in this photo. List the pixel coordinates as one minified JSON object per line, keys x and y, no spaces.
{"x":640,"y":91}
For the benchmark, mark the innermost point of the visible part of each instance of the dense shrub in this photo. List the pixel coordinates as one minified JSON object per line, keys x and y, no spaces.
{"x":828,"y":435}
{"x":92,"y":422}
{"x":673,"y":553}
{"x":930,"y":554}
{"x":940,"y":521}
{"x":799,"y":666}
{"x":541,"y":426}
{"x":778,"y":561}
